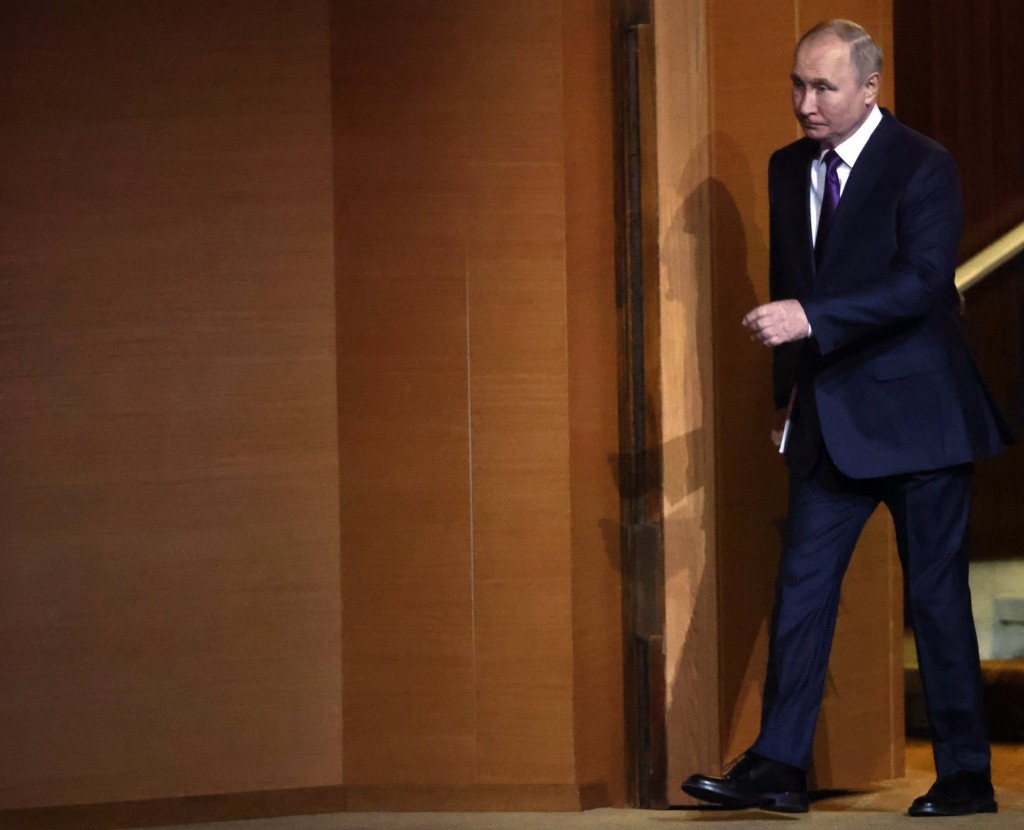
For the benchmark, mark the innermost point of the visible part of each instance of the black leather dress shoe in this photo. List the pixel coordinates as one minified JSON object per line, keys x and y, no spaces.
{"x":753,"y":781}
{"x":959,"y":794}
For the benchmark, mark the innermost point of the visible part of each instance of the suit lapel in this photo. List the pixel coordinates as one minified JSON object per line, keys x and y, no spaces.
{"x":865,"y":175}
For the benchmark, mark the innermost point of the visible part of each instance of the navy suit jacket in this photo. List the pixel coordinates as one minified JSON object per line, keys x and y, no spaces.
{"x":887,"y":380}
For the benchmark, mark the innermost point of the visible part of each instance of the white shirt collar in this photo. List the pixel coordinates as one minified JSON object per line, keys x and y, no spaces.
{"x":850,"y":150}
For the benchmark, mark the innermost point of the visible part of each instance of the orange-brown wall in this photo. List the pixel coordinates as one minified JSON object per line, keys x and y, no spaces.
{"x":169,"y":577}
{"x":477,"y":377}
{"x":309,"y":404}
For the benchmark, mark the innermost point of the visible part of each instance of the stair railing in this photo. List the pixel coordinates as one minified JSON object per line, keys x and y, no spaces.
{"x":979,"y":266}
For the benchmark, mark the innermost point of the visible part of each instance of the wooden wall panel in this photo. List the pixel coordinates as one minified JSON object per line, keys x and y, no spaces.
{"x":686,"y":419}
{"x":520,"y":476}
{"x":169,"y":619}
{"x":454,"y":332}
{"x":515,"y":267}
{"x":593,"y":342}
{"x":408,"y":657}
{"x":749,"y":48}
{"x":751,"y":117}
{"x":196,"y":305}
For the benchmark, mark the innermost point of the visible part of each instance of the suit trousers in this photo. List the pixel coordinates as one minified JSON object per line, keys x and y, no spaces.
{"x":827,"y":512}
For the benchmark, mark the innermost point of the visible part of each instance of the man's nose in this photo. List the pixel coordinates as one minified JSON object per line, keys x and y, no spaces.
{"x":805,"y":102}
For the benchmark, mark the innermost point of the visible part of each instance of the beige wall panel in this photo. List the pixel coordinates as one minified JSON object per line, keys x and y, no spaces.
{"x":170,"y":621}
{"x":405,"y":533}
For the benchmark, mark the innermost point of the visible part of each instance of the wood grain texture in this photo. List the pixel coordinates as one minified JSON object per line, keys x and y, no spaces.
{"x":454,"y":339}
{"x":592,"y":353}
{"x":519,"y":401}
{"x":687,"y":431}
{"x":236,"y":229}
{"x":408,"y":657}
{"x":751,"y":117}
{"x":170,"y":616}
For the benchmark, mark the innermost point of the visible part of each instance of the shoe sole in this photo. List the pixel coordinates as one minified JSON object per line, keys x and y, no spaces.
{"x":773,"y":802}
{"x":714,"y":797}
{"x":925,"y":812}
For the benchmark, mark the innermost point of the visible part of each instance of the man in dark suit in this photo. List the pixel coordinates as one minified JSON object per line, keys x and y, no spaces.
{"x":884,"y":405}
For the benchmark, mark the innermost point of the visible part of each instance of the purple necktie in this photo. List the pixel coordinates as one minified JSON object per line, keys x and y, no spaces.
{"x":829,"y":200}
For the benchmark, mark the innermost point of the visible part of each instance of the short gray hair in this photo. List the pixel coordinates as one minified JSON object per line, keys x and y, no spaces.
{"x":865,"y":54}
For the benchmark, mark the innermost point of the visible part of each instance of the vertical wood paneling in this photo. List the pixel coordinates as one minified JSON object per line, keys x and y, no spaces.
{"x":454,"y":332}
{"x":169,"y":618}
{"x":408,"y":658}
{"x":750,"y":48}
{"x":751,"y":117}
{"x":521,"y":537}
{"x":684,"y":235}
{"x":188,"y":333}
{"x":593,"y":342}
{"x":519,"y":398}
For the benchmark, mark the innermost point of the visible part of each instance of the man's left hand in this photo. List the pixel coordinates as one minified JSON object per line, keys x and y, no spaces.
{"x":777,"y":323}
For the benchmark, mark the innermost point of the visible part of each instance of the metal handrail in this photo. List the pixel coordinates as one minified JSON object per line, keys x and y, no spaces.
{"x":988,"y":260}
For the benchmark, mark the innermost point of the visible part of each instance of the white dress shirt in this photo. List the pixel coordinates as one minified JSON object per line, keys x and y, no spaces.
{"x":849,"y":151}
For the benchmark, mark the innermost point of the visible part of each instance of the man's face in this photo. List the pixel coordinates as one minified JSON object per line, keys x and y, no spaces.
{"x":828,"y":100}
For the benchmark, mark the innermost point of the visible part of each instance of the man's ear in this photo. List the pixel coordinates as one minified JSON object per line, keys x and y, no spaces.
{"x":871,"y":88}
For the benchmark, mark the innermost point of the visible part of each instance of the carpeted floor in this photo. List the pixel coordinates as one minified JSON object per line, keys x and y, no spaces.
{"x":880,"y":808}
